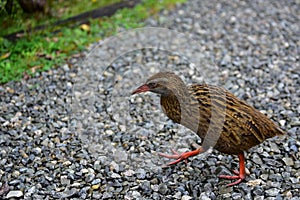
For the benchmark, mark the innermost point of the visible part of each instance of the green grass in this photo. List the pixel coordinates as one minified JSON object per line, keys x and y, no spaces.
{"x":60,"y":9}
{"x":44,"y":50}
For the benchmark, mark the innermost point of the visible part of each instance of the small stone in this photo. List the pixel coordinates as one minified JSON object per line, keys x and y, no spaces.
{"x":30,"y":191}
{"x":257,"y":159}
{"x":84,"y":170}
{"x":177,"y":195}
{"x":109,"y":132}
{"x":226,"y":60}
{"x":69,"y":84}
{"x":115,"y":175}
{"x":186,"y":197}
{"x":45,"y":142}
{"x":272,"y":192}
{"x":66,"y":67}
{"x":66,"y":163}
{"x":23,"y":169}
{"x":68,"y":193}
{"x":236,"y":195}
{"x":140,"y":174}
{"x":274,"y":184}
{"x":64,"y":180}
{"x":289,"y":194}
{"x":106,"y":195}
{"x":83,"y":193}
{"x":97,"y":165}
{"x":38,"y":132}
{"x":96,"y":181}
{"x":203,"y":196}
{"x":14,"y":182}
{"x":155,"y":187}
{"x":16,"y":174}
{"x":225,"y":190}
{"x":14,"y":193}
{"x":293,"y":130}
{"x":259,"y":198}
{"x":264,"y":176}
{"x":23,"y":153}
{"x":274,"y":147}
{"x":122,"y":128}
{"x":294,"y":180}
{"x":297,"y":164}
{"x":258,"y":192}
{"x":114,"y":166}
{"x":95,"y":187}
{"x":295,"y":149}
{"x":76,"y":184}
{"x":6,"y":123}
{"x":37,"y":150}
{"x":120,"y":155}
{"x":282,"y":122}
{"x":83,"y":162}
{"x":129,"y":172}
{"x":288,"y":161}
{"x":254,"y":182}
{"x":163,"y":188}
{"x":89,"y":177}
{"x":136,"y":194}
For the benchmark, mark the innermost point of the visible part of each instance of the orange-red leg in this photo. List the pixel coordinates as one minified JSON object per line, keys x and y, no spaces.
{"x":239,"y":175}
{"x":181,"y":157}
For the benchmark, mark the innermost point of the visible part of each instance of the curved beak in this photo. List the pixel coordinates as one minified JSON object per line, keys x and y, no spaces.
{"x":143,"y":88}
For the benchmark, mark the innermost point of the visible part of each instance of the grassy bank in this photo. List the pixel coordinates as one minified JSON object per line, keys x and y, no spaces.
{"x":44,"y":49}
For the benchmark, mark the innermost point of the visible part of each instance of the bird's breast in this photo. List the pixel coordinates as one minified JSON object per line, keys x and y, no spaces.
{"x":186,"y":113}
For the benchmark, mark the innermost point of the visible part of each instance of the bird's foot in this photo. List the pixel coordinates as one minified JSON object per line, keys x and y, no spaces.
{"x":238,"y":176}
{"x":179,"y":157}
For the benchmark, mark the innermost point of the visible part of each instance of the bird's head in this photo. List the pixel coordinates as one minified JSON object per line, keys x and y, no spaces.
{"x":162,"y":83}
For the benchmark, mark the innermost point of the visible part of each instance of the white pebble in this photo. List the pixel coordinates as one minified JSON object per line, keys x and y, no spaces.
{"x":14,"y":193}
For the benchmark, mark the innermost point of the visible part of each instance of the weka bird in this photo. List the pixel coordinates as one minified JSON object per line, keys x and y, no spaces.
{"x":220,"y":119}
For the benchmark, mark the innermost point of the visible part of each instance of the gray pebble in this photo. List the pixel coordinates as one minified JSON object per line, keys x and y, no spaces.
{"x":288,"y":161}
{"x":272,"y":192}
{"x":96,"y":181}
{"x":163,"y":188}
{"x":14,"y":194}
{"x":64,"y":180}
{"x":140,"y":173}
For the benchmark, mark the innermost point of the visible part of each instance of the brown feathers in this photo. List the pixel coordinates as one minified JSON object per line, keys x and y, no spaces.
{"x":227,"y":123}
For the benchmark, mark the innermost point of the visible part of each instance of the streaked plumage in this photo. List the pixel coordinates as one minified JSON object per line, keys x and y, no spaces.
{"x":218,"y":117}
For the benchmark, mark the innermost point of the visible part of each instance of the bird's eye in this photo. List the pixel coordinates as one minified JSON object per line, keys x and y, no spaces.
{"x":152,"y":85}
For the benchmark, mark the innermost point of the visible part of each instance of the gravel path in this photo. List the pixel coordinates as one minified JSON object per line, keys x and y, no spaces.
{"x":74,"y":132}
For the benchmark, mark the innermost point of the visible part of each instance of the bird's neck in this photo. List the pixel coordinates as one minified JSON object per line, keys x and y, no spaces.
{"x":173,"y":103}
{"x":171,"y":107}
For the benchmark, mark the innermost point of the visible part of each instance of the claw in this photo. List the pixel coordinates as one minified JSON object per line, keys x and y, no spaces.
{"x":180,"y":157}
{"x":175,"y":155}
{"x":239,"y":175}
